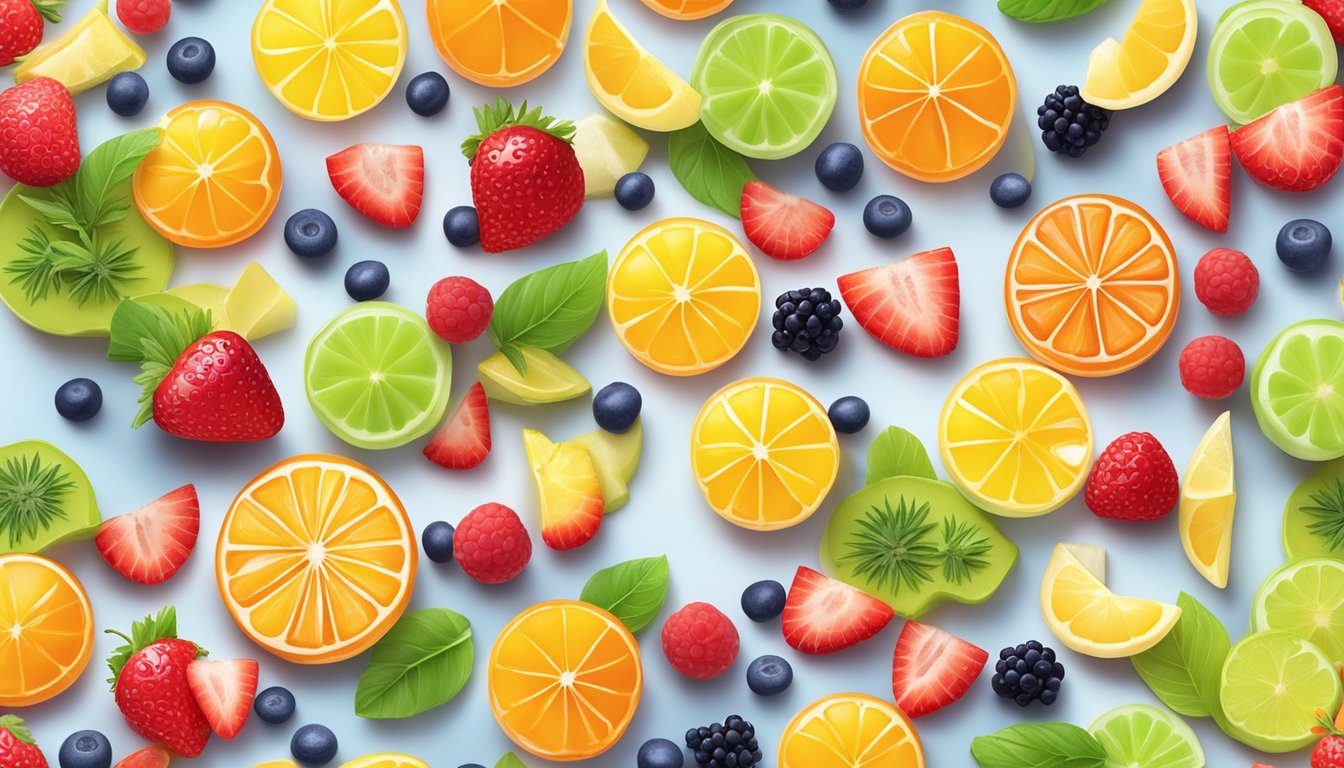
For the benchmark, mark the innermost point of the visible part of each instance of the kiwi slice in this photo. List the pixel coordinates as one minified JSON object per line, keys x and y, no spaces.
{"x":1313,"y":518}
{"x":45,"y":498}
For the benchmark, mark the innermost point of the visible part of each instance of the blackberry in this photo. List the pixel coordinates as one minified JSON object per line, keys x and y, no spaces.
{"x":730,"y":744}
{"x":808,"y":322}
{"x":1027,"y":673}
{"x":1068,"y":124}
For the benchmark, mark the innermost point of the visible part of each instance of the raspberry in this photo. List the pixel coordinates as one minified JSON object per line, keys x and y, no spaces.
{"x":1212,"y":367}
{"x":699,"y":641}
{"x":1133,"y":480}
{"x":491,"y":544}
{"x":144,"y":17}
{"x":458,"y":309}
{"x":1226,"y":281}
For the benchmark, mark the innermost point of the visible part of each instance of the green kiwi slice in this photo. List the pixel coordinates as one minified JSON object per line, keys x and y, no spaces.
{"x":45,"y":498}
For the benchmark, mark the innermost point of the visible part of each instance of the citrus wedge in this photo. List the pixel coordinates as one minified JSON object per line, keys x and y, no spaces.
{"x":1273,"y":684}
{"x":1088,"y":617}
{"x":48,"y":636}
{"x":257,"y":306}
{"x":386,"y":760}
{"x":1208,"y":502}
{"x":85,"y":55}
{"x":499,"y":43}
{"x":850,"y":730}
{"x":1149,"y":59}
{"x":688,"y":10}
{"x":548,"y":379}
{"x":1297,"y":390}
{"x":1305,"y":598}
{"x":626,"y":79}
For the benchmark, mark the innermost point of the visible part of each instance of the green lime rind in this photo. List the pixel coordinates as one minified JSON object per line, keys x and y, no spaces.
{"x":1266,"y":53}
{"x":1313,"y":518}
{"x":1305,"y":598}
{"x":767,"y":85}
{"x":1272,"y":683}
{"x":1297,"y":390}
{"x":70,"y":511}
{"x":1138,"y":734}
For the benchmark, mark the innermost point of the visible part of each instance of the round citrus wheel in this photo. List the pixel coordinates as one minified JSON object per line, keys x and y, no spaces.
{"x":1092,"y":287}
{"x":850,"y":730}
{"x":564,"y":680}
{"x":764,"y":453}
{"x":500,"y":43}
{"x":48,"y":629}
{"x":936,"y":96}
{"x":688,"y":10}
{"x":215,"y":178}
{"x":386,"y":760}
{"x":316,"y":559}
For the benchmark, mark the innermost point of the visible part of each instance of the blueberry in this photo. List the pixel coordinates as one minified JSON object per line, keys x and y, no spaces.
{"x":310,"y":234}
{"x":79,"y":399}
{"x":1010,"y":190}
{"x":85,"y":749}
{"x":763,"y":600}
{"x":461,"y":226}
{"x":274,"y":705}
{"x":1303,"y":245}
{"x":769,"y":675}
{"x":848,"y":415}
{"x":437,"y":539}
{"x":427,"y":94}
{"x":313,"y":745}
{"x":840,"y":166}
{"x":367,"y":280}
{"x":191,"y":60}
{"x":634,"y":191}
{"x":616,"y":406}
{"x":471,"y":765}
{"x":127,"y":94}
{"x":887,"y":216}
{"x":660,"y":753}
{"x":848,"y":5}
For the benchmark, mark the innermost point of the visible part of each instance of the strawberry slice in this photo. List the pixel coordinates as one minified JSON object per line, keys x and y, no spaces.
{"x":1197,"y":176}
{"x":825,"y":615}
{"x":913,"y":305}
{"x":463,"y":441}
{"x":224,"y":691}
{"x":1298,"y":146}
{"x":147,"y":757}
{"x":932,"y":668}
{"x":150,"y":545}
{"x":782,"y":225}
{"x":385,"y":182}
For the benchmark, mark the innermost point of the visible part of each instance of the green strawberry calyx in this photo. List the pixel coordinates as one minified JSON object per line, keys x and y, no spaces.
{"x":50,"y":9}
{"x":14,"y":724}
{"x":491,"y":118}
{"x":154,"y":337}
{"x":144,"y":634}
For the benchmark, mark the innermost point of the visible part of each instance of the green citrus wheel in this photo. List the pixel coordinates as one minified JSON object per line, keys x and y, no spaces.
{"x":1266,"y":53}
{"x":1140,"y":735}
{"x":1271,"y":686}
{"x":1305,"y":598}
{"x":377,"y":377}
{"x":1297,"y":390}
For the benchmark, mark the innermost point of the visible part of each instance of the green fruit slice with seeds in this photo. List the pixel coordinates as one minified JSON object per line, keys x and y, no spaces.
{"x":45,"y":498}
{"x":1313,"y":518}
{"x":616,"y":457}
{"x":1297,"y":390}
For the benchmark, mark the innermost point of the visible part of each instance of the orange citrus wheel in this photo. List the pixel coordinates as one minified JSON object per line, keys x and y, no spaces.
{"x":764,"y":453}
{"x":1092,"y":287}
{"x":850,"y":730}
{"x":215,"y":178}
{"x":316,"y":559}
{"x":936,"y":96}
{"x":688,"y":10}
{"x":564,"y":680}
{"x":500,"y":43}
{"x":47,"y":635}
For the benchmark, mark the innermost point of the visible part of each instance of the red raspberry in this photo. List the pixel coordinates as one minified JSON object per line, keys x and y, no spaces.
{"x":1226,"y":281}
{"x":699,"y":641}
{"x":1133,"y":480}
{"x":144,"y":17}
{"x":1212,"y":367}
{"x":458,"y":309}
{"x":491,"y":544}
{"x":1329,"y":752}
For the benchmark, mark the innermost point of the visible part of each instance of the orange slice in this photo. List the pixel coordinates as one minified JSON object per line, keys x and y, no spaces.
{"x":688,"y":10}
{"x":500,"y":43}
{"x":316,"y":559}
{"x":48,"y":629}
{"x":850,"y":730}
{"x":564,"y":680}
{"x":1092,"y":287}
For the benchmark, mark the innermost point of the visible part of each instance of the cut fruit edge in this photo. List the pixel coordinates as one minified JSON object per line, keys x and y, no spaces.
{"x":1108,"y":53}
{"x":1092,"y":559}
{"x":1218,"y":439}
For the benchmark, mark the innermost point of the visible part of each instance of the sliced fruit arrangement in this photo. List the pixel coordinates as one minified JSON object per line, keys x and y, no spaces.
{"x":151,"y":544}
{"x":45,"y":498}
{"x":547,"y":379}
{"x":254,"y":308}
{"x":783,"y":226}
{"x":932,"y":668}
{"x":1150,"y":58}
{"x":1088,"y":617}
{"x":1297,"y":390}
{"x":1197,"y":175}
{"x":1313,"y":518}
{"x":1298,"y":146}
{"x":385,"y":182}
{"x":224,"y":691}
{"x":463,"y":441}
{"x":1266,"y":53}
{"x":627,"y":79}
{"x":50,"y":635}
{"x":1209,"y":502}
{"x":569,"y":489}
{"x":850,"y":730}
{"x":912,"y":305}
{"x":151,"y":688}
{"x":499,"y":43}
{"x":1304,"y":598}
{"x":824,"y":615}
{"x":1138,"y":734}
{"x":616,"y":458}
{"x":1273,"y":684}
{"x":607,"y":150}
{"x":386,"y":760}
{"x":85,"y":55}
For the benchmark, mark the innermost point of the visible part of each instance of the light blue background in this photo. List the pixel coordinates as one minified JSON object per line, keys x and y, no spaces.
{"x":710,"y":559}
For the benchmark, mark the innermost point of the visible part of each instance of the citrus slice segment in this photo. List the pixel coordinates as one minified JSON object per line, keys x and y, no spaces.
{"x":1148,"y":737}
{"x":688,"y":10}
{"x":1149,"y":59}
{"x":1273,"y":683}
{"x":764,"y":453}
{"x":1297,"y":390}
{"x":500,"y":43}
{"x":386,"y":760}
{"x":1088,"y":617}
{"x":316,"y":559}
{"x":564,"y":680}
{"x":1267,"y":53}
{"x":85,"y":55}
{"x":1305,"y":598}
{"x":850,"y":730}
{"x":626,"y":79}
{"x":1208,"y":502}
{"x":48,"y":635}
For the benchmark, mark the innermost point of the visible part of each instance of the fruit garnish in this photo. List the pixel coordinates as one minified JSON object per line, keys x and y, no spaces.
{"x":1197,"y":175}
{"x":1297,"y":147}
{"x":1069,"y":125}
{"x":150,"y":545}
{"x":385,"y":182}
{"x":824,"y":615}
{"x":1050,"y":743}
{"x":458,"y":309}
{"x":1133,"y":480}
{"x":1226,"y":282}
{"x":256,"y":306}
{"x":50,"y":638}
{"x":607,"y":150}
{"x":223,"y":690}
{"x":1148,"y":61}
{"x":1333,"y":13}
{"x":627,"y":79}
{"x":85,"y":55}
{"x":1137,"y":734}
{"x":709,"y":172}
{"x":1028,"y":672}
{"x":386,"y":760}
{"x":615,"y":457}
{"x":633,"y":591}
{"x":548,"y":309}
{"x":41,"y":140}
{"x":932,"y":668}
{"x":569,"y":491}
{"x":548,"y":378}
{"x":688,"y":10}
{"x":1088,"y":617}
{"x":1305,"y":598}
{"x":1297,"y":391}
{"x":18,"y":749}
{"x":45,"y":498}
{"x":912,"y":305}
{"x":782,"y":225}
{"x":699,"y":641}
{"x":1208,"y":503}
{"x":149,"y":682}
{"x":807,"y":322}
{"x":25,"y":25}
{"x":144,"y":17}
{"x":850,"y":730}
{"x":491,"y":544}
{"x":499,"y":43}
{"x":1266,"y":53}
{"x":463,"y":441}
{"x":743,"y":744}
{"x":1313,"y":517}
{"x":1273,"y":684}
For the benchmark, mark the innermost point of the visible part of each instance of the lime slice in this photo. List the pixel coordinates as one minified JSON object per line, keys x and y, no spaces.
{"x":1313,"y":518}
{"x":377,"y":377}
{"x":1297,"y":390}
{"x":767,"y":84}
{"x":1272,"y":684}
{"x":1140,"y":735}
{"x":89,"y":53}
{"x":1266,"y":53}
{"x":1305,"y":598}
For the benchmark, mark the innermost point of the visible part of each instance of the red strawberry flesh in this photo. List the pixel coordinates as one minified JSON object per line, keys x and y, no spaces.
{"x":932,"y":668}
{"x":1197,"y":175}
{"x":913,"y":305}
{"x":1298,"y":146}
{"x":385,"y":182}
{"x":782,"y":225}
{"x":825,"y":615}
{"x":463,"y":441}
{"x":150,"y":545}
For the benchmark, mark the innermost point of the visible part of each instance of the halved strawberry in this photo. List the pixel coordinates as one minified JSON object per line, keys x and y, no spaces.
{"x":149,"y":545}
{"x":382,"y":181}
{"x":463,"y":441}
{"x":782,"y":225}
{"x":932,"y":668}
{"x":1298,"y":146}
{"x":913,"y":305}
{"x":224,"y":691}
{"x":1197,"y":176}
{"x":148,"y":757}
{"x":825,"y":615}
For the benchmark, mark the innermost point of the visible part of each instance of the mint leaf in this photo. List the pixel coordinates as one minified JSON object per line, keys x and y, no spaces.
{"x":632,"y":591}
{"x":709,"y":171}
{"x":104,"y":170}
{"x":897,"y":453}
{"x":1039,"y":745}
{"x":549,"y":309}
{"x":152,"y":336}
{"x":1047,"y":10}
{"x":1185,"y":667}
{"x":510,"y":760}
{"x":421,"y":663}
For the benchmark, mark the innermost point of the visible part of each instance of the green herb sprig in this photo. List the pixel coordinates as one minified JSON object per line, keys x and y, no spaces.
{"x":30,"y":496}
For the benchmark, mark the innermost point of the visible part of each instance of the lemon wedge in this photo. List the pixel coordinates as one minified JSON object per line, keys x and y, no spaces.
{"x":1088,"y":617}
{"x":386,"y":760}
{"x":1147,"y":61}
{"x":257,"y":306}
{"x":1208,"y":501}
{"x":626,"y":79}
{"x":89,"y":53}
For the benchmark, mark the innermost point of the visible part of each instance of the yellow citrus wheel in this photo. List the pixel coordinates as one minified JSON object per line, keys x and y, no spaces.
{"x":47,"y":635}
{"x":1147,"y":61}
{"x":500,"y":43}
{"x":630,"y":82}
{"x":1088,"y":617}
{"x":764,"y":453}
{"x":683,"y":296}
{"x":1208,"y":503}
{"x":850,"y":730}
{"x":564,"y":680}
{"x":1015,"y":437}
{"x":386,"y":760}
{"x":688,"y":10}
{"x":316,"y":559}
{"x":215,"y":178}
{"x":329,"y":60}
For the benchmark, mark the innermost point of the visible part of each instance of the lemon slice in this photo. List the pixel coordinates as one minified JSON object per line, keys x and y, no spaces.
{"x":1088,"y":617}
{"x":386,"y":760}
{"x":1150,"y":59}
{"x":1208,"y":501}
{"x":626,"y":79}
{"x":87,"y":54}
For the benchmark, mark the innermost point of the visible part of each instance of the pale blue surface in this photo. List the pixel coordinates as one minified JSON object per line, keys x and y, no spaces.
{"x":710,"y":560}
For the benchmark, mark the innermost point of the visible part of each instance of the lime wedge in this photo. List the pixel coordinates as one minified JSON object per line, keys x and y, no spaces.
{"x":548,"y":379}
{"x":1272,"y":684}
{"x":1313,"y":518}
{"x":1140,"y":735}
{"x":1266,"y":53}
{"x":377,"y":377}
{"x":1297,"y":390}
{"x":1305,"y":598}
{"x":89,"y":53}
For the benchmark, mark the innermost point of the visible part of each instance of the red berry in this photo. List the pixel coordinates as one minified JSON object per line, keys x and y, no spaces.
{"x":699,"y":641}
{"x":39,"y":141}
{"x":1226,"y":281}
{"x":491,"y":544}
{"x":1133,"y":480}
{"x":1212,"y":367}
{"x":1333,"y":13}
{"x":21,"y":27}
{"x":1329,"y":752}
{"x":144,"y":17}
{"x":459,"y":309}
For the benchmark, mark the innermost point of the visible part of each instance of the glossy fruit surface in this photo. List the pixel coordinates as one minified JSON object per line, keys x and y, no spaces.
{"x":616,"y":458}
{"x":367,"y":280}
{"x":1304,"y":598}
{"x":688,"y":10}
{"x":1313,"y":518}
{"x":850,"y":730}
{"x":1266,"y":53}
{"x":1297,"y":390}
{"x":191,"y":60}
{"x":499,"y":43}
{"x":386,"y":760}
{"x":1297,"y":147}
{"x":427,"y":94}
{"x":84,"y":55}
{"x":1088,"y":617}
{"x":1147,"y":61}
{"x":1208,"y":503}
{"x":1272,"y":685}
{"x":568,"y":489}
{"x":1137,"y":734}
{"x":51,"y":612}
{"x":1303,"y":245}
{"x":45,"y":498}
{"x":1197,"y":175}
{"x":607,"y":150}
{"x":548,"y":379}
{"x":627,"y":79}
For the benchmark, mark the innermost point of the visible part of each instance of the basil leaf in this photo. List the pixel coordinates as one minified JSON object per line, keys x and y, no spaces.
{"x":1047,"y":10}
{"x":896,"y":453}
{"x":1185,"y":667}
{"x":709,"y":171}
{"x":632,"y":591}
{"x":422,"y":662}
{"x":106,"y":167}
{"x":549,"y":309}
{"x":1039,"y":745}
{"x":510,"y":760}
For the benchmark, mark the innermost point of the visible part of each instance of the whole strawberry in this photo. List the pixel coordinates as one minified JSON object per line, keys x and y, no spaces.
{"x":17,"y":748}
{"x":149,"y":681}
{"x":525,"y":178}
{"x":218,"y":391}
{"x":39,"y":143}
{"x":1329,"y":752}
{"x":22,"y":23}
{"x":1133,"y":480}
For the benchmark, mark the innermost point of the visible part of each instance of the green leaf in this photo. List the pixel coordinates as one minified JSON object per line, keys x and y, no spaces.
{"x":1047,"y":10}
{"x":14,"y":724}
{"x":106,"y":167}
{"x":153,"y":337}
{"x":709,"y":171}
{"x":1039,"y":745}
{"x":549,"y":309}
{"x":494,"y":117}
{"x":510,"y":760}
{"x":1185,"y":667}
{"x":898,"y":453}
{"x":632,"y":591}
{"x":421,"y":663}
